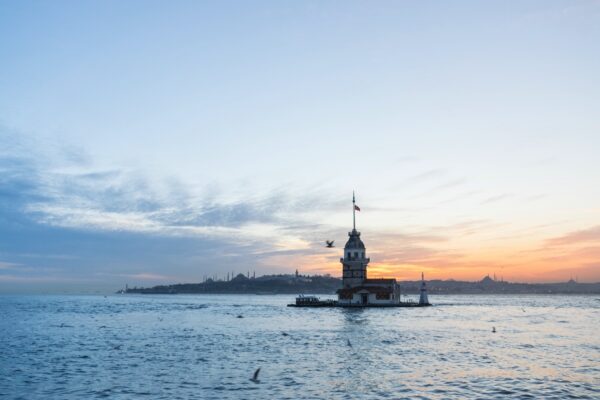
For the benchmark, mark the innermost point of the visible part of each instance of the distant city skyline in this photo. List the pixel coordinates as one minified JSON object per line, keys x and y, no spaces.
{"x":148,"y":143}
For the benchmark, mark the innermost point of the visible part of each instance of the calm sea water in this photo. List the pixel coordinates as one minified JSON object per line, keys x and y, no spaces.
{"x":183,"y":347}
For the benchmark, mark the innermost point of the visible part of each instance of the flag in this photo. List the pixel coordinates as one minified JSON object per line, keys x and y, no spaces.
{"x":357,"y":208}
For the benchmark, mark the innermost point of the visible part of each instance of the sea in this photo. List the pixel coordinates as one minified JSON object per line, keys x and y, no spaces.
{"x":209,"y":346}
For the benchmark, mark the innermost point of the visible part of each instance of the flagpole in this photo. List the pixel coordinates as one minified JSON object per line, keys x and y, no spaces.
{"x":353,"y":212}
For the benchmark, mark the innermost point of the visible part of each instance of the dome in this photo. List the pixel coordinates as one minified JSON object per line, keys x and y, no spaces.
{"x":354,"y":241}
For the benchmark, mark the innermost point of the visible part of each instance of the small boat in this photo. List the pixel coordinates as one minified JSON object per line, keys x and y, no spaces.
{"x":312,"y":301}
{"x":307,"y":300}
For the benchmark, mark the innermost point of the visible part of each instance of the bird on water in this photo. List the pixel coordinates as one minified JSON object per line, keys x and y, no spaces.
{"x":255,"y":376}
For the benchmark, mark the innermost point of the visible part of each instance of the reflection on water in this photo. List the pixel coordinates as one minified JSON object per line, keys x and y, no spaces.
{"x":208,"y":347}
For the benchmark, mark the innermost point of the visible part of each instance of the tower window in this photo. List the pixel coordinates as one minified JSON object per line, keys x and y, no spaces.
{"x":356,"y":254}
{"x":349,"y":255}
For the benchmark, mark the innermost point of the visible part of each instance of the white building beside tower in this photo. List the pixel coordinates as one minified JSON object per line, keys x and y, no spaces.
{"x":357,"y":288}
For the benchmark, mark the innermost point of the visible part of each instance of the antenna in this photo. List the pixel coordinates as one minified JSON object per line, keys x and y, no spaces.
{"x":353,"y":212}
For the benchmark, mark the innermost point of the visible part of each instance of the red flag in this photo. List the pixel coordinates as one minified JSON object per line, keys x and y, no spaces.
{"x":357,"y":208}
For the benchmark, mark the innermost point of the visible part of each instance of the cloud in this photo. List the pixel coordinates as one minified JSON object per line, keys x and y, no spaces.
{"x":440,"y":188}
{"x":147,"y":276}
{"x":66,"y":220}
{"x":536,"y":197}
{"x":406,"y":159}
{"x":394,"y":238}
{"x":450,"y":184}
{"x":8,"y":265}
{"x":578,"y":237}
{"x":426,"y":175}
{"x":63,"y":219}
{"x":495,"y":199}
{"x":34,"y":279}
{"x":460,"y":196}
{"x":73,"y":195}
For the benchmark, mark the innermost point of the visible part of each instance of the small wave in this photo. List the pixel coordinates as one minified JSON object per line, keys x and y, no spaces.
{"x":196,"y":307}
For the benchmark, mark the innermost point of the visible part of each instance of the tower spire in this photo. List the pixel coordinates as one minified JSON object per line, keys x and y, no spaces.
{"x":353,"y":212}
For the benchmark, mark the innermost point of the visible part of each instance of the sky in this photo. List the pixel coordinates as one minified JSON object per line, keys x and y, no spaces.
{"x":148,"y":142}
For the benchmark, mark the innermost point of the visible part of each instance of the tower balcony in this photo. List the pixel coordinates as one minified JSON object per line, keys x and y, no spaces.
{"x":354,"y":259}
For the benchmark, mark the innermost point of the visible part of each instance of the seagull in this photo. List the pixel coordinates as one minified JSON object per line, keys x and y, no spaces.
{"x":493,"y":329}
{"x":255,"y":376}
{"x":330,"y":243}
{"x":523,"y":309}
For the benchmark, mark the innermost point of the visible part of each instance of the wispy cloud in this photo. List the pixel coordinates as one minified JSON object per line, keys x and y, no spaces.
{"x":495,"y":199}
{"x":77,"y":196}
{"x":450,"y":184}
{"x":578,"y":237}
{"x":406,"y":159}
{"x":426,"y":175}
{"x":536,"y":197}
{"x":85,"y":219}
{"x":64,"y":219}
{"x":8,"y":265}
{"x":147,"y":276}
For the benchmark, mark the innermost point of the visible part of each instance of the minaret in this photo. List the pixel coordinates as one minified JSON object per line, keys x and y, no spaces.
{"x":355,"y":261}
{"x":423,"y":299}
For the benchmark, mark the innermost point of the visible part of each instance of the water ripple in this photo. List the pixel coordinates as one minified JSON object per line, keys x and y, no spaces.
{"x":170,"y":347}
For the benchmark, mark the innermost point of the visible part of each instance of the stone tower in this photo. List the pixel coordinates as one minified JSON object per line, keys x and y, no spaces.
{"x":355,"y":261}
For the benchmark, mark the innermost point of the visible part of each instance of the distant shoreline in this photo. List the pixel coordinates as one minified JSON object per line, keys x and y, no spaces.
{"x":334,"y":294}
{"x":327,"y":285}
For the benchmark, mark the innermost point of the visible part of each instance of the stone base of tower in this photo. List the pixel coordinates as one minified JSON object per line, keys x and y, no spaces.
{"x":371,"y":292}
{"x":334,"y":303}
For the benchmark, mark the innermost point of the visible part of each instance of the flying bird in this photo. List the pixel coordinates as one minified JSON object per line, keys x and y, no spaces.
{"x":493,"y":329}
{"x":330,"y":243}
{"x":255,"y":376}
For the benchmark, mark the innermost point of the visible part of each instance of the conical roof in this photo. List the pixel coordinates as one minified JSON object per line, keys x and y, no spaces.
{"x":354,"y":241}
